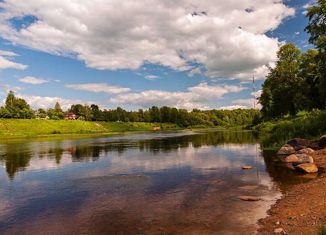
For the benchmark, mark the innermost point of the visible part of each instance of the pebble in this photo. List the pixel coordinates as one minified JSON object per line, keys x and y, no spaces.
{"x":246,"y":167}
{"x":279,"y":230}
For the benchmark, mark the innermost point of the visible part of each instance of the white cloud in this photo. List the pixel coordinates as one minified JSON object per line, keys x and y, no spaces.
{"x":98,"y":87}
{"x":151,"y":77}
{"x":33,"y":80}
{"x":48,"y":102}
{"x":231,"y":107}
{"x":224,"y":37}
{"x":6,"y":63}
{"x":246,"y":103}
{"x":194,"y":72}
{"x":195,"y":97}
{"x":7,"y":53}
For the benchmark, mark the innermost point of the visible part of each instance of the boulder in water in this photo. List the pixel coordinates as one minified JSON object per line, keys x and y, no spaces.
{"x":307,"y":168}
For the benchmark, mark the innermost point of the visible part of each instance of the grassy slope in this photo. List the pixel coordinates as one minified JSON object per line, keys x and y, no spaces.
{"x":274,"y":134}
{"x":11,"y":128}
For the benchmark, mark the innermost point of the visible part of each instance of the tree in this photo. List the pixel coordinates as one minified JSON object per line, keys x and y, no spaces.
{"x":57,"y":107}
{"x":309,"y":72}
{"x":17,"y":107}
{"x":317,"y":30}
{"x":155,"y":114}
{"x":282,"y":90}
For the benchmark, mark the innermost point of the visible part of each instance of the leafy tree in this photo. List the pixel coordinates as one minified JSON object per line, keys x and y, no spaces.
{"x":57,"y":107}
{"x":317,"y":29}
{"x":282,"y":90}
{"x":16,"y":107}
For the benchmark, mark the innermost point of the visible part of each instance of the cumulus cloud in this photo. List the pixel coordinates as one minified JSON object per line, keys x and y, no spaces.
{"x":48,"y":102}
{"x":7,"y":63}
{"x":194,"y":72}
{"x":7,"y":53}
{"x":98,"y":87}
{"x":228,"y":38}
{"x":33,"y":80}
{"x":195,"y":97}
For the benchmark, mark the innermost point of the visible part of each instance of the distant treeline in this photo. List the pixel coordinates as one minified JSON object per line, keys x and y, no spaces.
{"x":20,"y":109}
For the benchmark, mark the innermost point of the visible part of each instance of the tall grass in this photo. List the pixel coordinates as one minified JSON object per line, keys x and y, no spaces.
{"x":310,"y":125}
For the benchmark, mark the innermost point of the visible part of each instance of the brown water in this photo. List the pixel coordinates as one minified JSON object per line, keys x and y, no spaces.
{"x":160,"y":183}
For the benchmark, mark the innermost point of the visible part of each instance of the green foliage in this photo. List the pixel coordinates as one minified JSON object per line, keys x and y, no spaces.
{"x":16,"y":108}
{"x":283,"y":88}
{"x":322,"y":230}
{"x":276,"y":133}
{"x":298,"y":81}
{"x":317,"y":30}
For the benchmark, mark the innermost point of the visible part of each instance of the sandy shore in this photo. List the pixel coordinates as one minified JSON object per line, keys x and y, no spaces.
{"x":302,"y":210}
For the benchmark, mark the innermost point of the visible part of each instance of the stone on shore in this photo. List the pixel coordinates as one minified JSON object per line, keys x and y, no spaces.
{"x":279,"y":231}
{"x":306,"y":151}
{"x":249,"y":198}
{"x":307,"y":168}
{"x":286,"y":150}
{"x":290,"y":158}
{"x":303,"y":158}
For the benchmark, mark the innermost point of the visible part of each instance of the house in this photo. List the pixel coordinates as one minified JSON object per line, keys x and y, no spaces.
{"x":70,"y":116}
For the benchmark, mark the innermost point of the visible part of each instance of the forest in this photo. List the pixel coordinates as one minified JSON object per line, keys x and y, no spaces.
{"x":19,"y":109}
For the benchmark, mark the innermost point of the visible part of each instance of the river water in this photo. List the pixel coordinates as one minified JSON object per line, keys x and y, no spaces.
{"x":154,"y":183}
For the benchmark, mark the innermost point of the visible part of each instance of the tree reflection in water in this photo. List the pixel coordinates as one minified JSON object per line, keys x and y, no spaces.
{"x":16,"y":157}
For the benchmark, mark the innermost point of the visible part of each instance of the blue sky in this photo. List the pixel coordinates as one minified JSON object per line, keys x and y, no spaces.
{"x":184,"y":53}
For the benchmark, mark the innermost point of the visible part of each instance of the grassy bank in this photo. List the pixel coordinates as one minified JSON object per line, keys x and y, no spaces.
{"x":16,"y":128}
{"x":305,"y":125}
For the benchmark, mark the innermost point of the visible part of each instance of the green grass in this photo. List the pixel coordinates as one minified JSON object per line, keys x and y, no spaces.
{"x":17,"y":128}
{"x":322,"y":230}
{"x":305,"y":125}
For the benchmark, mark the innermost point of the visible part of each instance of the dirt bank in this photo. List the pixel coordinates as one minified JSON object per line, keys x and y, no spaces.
{"x":302,"y":210}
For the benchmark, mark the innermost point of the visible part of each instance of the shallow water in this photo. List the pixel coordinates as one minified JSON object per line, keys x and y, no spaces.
{"x":159,"y":183}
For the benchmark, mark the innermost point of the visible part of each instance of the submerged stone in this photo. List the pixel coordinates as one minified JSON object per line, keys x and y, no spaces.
{"x":249,"y":198}
{"x":307,"y":168}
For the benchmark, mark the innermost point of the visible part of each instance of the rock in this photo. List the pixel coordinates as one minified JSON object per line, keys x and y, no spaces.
{"x":307,"y":168}
{"x":249,"y":198}
{"x":290,"y":158}
{"x":322,"y":142}
{"x":246,"y":167}
{"x":279,"y":230}
{"x":306,"y":151}
{"x":303,"y":158}
{"x":299,"y":143}
{"x":286,"y":150}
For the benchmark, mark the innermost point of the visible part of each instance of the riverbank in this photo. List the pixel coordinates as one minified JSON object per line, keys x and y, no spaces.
{"x":29,"y":128}
{"x":302,"y":210}
{"x":308,"y":125}
{"x":18,"y":129}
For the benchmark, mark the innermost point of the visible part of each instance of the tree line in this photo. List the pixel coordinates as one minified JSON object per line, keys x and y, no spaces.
{"x":298,"y":81}
{"x":18,"y":108}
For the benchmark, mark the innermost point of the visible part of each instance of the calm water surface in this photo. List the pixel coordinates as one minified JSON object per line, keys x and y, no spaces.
{"x":160,"y":183}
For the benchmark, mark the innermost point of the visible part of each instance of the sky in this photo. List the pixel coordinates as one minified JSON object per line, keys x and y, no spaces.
{"x":136,"y":54}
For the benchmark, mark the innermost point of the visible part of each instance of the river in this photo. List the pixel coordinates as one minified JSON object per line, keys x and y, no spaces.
{"x":150,"y":183}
